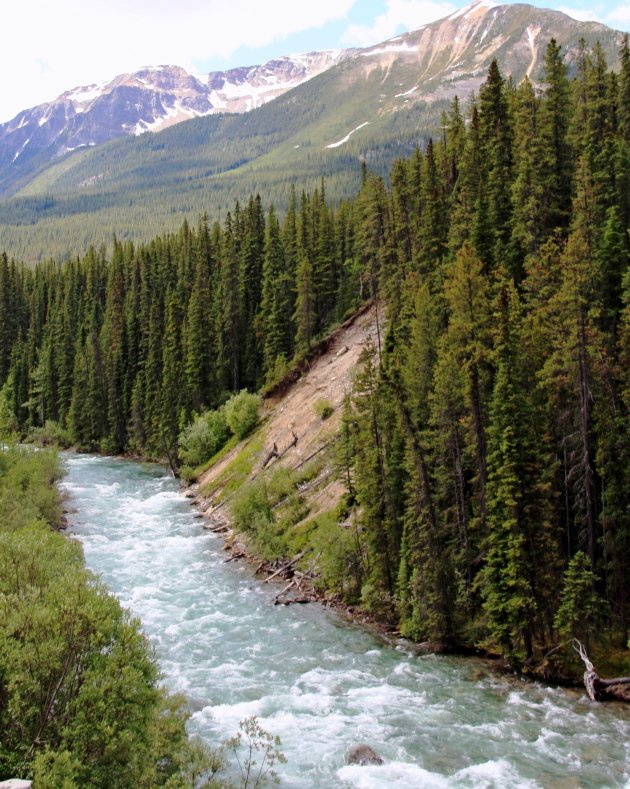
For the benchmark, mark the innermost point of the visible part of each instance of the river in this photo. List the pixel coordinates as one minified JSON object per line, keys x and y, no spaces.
{"x":319,"y":683}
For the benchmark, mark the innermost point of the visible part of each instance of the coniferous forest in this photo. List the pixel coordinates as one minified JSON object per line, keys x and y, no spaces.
{"x":487,"y":436}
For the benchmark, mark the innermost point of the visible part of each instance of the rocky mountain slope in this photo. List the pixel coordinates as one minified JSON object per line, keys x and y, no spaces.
{"x":371,"y":105}
{"x":151,"y":99}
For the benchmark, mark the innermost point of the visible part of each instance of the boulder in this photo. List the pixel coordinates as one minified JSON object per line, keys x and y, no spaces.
{"x":362,"y":755}
{"x":16,"y":783}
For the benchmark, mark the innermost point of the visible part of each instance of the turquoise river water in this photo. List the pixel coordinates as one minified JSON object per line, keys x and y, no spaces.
{"x":319,"y":683}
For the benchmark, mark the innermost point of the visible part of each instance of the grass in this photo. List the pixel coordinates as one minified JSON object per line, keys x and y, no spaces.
{"x":238,"y":469}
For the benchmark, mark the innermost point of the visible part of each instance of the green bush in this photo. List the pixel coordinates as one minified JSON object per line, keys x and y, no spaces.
{"x":81,"y":703}
{"x":250,"y":507}
{"x":203,"y":437}
{"x":51,"y":434}
{"x":241,"y":413}
{"x":27,"y":490}
{"x":324,"y":409}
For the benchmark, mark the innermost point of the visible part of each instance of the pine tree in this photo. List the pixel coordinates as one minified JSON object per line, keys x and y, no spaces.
{"x":198,"y":336}
{"x":553,"y":132}
{"x":520,"y":567}
{"x":468,"y":338}
{"x":277,"y":298}
{"x":496,"y":151}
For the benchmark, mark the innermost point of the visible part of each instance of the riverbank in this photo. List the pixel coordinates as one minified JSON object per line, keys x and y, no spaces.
{"x":297,"y":587}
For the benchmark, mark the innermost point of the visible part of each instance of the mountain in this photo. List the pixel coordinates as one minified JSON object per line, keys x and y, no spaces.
{"x":370,"y":105}
{"x":151,"y":99}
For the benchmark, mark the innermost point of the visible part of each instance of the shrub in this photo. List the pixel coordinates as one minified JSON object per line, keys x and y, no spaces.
{"x":250,"y":508}
{"x":241,"y":413}
{"x":323,"y":409}
{"x":51,"y":434}
{"x":276,"y":372}
{"x":203,"y":437}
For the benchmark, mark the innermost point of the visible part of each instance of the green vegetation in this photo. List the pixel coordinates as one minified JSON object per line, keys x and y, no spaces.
{"x":485,"y":445}
{"x":323,"y":409}
{"x":80,"y":701}
{"x":203,"y":437}
{"x":238,"y":468}
{"x":241,"y":413}
{"x":256,"y":753}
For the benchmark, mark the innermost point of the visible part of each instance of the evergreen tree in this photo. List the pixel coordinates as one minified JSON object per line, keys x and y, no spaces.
{"x":277,"y":298}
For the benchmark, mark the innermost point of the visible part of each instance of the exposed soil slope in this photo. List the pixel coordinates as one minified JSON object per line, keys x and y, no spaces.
{"x":292,"y":432}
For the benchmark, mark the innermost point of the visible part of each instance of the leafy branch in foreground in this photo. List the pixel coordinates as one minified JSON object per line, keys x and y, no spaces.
{"x":256,"y":752}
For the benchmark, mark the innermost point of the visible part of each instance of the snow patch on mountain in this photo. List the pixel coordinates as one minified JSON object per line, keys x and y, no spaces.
{"x":387,"y":49}
{"x":153,"y":98}
{"x":473,"y":9}
{"x":347,"y":137}
{"x":406,"y":93}
{"x":26,"y":142}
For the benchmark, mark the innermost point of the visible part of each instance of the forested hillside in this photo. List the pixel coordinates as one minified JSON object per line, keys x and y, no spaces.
{"x":375,"y":106}
{"x":486,"y":440}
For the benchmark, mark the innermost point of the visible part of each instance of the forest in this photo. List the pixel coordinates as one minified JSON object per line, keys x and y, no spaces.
{"x":487,"y":438}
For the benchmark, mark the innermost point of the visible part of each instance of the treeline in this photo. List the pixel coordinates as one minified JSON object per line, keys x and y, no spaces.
{"x":147,"y":185}
{"x":491,"y":441}
{"x":487,"y":439}
{"x":121,"y":351}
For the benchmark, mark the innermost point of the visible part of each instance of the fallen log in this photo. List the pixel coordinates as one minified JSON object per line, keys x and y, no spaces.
{"x":294,"y":584}
{"x":599,"y":689}
{"x":287,"y":566}
{"x":276,"y":599}
{"x":234,"y":557}
{"x":293,"y":600}
{"x":272,"y":454}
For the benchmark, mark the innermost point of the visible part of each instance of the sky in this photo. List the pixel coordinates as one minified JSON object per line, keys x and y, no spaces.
{"x":50,"y":46}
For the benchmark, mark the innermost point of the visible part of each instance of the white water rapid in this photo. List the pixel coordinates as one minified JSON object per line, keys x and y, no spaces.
{"x":319,"y":683}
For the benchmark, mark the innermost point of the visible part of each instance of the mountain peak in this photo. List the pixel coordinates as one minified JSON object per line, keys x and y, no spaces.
{"x":151,"y":99}
{"x":367,"y":90}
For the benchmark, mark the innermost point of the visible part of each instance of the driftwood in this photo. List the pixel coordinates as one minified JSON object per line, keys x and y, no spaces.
{"x":272,"y":454}
{"x":275,"y":455}
{"x":220,"y":529}
{"x":287,"y":565}
{"x":293,"y":584}
{"x":234,"y":557}
{"x":599,"y":689}
{"x":312,"y":455}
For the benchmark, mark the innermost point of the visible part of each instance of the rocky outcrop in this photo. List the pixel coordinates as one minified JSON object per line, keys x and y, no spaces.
{"x":363,"y":755}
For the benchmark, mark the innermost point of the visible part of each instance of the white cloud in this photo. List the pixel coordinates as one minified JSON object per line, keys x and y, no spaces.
{"x":592,"y":14}
{"x":614,"y":15}
{"x":399,"y":14}
{"x":51,"y":47}
{"x":619,"y":17}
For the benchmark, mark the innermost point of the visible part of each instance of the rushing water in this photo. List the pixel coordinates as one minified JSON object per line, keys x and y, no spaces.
{"x":317,"y":682}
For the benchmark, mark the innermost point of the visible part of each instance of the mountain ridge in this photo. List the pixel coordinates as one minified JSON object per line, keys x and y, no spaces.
{"x":372,"y":107}
{"x":151,"y":99}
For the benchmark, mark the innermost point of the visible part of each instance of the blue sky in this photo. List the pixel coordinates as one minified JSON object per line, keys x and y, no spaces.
{"x":51,"y":46}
